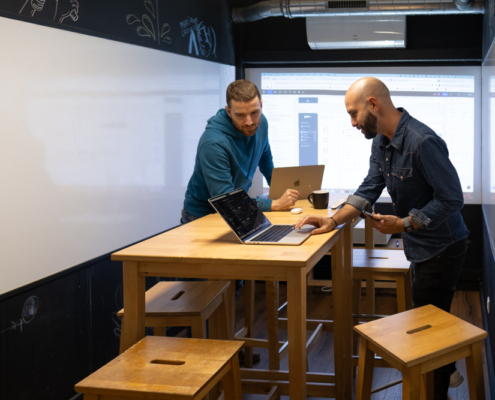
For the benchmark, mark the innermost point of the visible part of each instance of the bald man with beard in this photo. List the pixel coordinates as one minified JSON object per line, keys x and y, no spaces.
{"x":412,"y":162}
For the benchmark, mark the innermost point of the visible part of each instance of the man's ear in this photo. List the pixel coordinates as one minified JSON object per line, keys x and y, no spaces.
{"x":373,"y":103}
{"x":261,"y":103}
{"x":228,"y":111}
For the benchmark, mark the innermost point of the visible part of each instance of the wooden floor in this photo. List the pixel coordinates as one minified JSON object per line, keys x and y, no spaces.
{"x":466,"y":305}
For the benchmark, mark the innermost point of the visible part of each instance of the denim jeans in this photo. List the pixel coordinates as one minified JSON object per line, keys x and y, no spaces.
{"x":434,"y":283}
{"x":186,"y":217}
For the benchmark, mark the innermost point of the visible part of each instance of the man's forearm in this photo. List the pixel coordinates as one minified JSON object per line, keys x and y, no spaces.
{"x":346,"y":214}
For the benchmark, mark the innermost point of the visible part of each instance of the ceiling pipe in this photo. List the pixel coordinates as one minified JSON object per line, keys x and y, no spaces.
{"x":334,"y":8}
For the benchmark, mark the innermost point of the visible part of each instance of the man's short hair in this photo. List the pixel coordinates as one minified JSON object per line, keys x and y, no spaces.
{"x":243,"y":91}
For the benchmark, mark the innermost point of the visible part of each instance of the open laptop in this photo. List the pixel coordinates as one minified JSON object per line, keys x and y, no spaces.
{"x":304,"y":179}
{"x":250,"y":225}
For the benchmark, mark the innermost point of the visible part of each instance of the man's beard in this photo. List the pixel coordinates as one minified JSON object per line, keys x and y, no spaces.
{"x":369,"y":127}
{"x":242,"y":128}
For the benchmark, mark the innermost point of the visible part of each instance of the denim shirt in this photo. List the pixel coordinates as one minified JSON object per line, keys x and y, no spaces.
{"x":422,"y":183}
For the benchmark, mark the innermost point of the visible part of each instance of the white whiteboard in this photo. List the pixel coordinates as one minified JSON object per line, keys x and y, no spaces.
{"x":98,"y":140}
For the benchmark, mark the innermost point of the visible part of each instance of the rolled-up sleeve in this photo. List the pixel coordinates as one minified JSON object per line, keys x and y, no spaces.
{"x":358,"y":202}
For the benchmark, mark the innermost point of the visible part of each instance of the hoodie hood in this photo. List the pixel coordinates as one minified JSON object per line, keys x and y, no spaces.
{"x":222,"y":122}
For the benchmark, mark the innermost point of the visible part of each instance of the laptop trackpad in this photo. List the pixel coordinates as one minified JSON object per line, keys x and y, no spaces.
{"x":305,"y":229}
{"x":297,"y":237}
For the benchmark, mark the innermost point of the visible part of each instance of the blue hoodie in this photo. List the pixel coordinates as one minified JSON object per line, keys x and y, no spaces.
{"x":226,"y":159}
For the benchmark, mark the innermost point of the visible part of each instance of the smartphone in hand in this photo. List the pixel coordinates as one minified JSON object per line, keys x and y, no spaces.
{"x":367,"y":213}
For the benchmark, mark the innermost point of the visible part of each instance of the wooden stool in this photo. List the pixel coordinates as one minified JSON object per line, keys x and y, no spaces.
{"x":276,"y":348}
{"x":167,"y":368}
{"x":416,"y":342}
{"x":388,"y":265}
{"x":187,"y":304}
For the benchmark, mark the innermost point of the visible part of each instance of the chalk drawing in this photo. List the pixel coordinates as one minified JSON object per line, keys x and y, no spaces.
{"x":146,"y":24}
{"x":73,"y":13}
{"x":202,"y":38}
{"x":60,"y":9}
{"x":29,"y":310}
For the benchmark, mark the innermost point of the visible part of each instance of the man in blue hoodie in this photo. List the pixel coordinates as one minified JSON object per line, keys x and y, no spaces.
{"x":233,"y":144}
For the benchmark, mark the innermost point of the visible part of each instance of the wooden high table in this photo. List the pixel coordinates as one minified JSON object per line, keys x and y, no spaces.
{"x":207,"y":248}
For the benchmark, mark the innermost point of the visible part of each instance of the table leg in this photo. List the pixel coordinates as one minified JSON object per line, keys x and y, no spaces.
{"x":348,"y":322}
{"x":249,"y":294}
{"x":338,"y":314}
{"x":296,"y":321}
{"x":134,"y":305}
{"x":272,"y":295}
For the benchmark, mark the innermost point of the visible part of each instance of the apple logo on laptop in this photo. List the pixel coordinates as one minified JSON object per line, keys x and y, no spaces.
{"x":297,"y":183}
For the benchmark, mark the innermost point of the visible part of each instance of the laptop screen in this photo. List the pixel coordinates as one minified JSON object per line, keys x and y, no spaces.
{"x":240,"y":212}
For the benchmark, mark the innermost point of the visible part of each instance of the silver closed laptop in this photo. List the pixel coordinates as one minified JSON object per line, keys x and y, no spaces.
{"x":250,"y":225}
{"x":304,"y":179}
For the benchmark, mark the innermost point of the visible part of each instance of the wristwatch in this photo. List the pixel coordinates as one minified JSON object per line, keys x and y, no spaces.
{"x":407,"y":225}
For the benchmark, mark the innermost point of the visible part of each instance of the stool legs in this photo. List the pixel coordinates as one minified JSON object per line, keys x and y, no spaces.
{"x":427,"y":386}
{"x":474,"y":366}
{"x":198,"y":328}
{"x":220,"y":319}
{"x":411,"y":383}
{"x":232,"y":381}
{"x":401,"y":293}
{"x":272,"y":298}
{"x":408,"y":289}
{"x":414,"y":384}
{"x":370,"y":296}
{"x":365,"y":371}
{"x":404,"y":291}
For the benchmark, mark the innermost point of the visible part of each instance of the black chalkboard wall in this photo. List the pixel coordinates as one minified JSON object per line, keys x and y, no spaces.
{"x":57,"y":331}
{"x":196,"y":28}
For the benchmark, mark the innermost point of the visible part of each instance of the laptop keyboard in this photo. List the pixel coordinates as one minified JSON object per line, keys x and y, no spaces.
{"x":274,"y":233}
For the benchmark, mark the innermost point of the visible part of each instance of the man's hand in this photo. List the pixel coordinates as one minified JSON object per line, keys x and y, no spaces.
{"x":287,"y":200}
{"x":323,"y":224}
{"x":387,"y":223}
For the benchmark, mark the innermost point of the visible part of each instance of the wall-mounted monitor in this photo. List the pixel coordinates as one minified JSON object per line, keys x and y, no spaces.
{"x":309,"y":124}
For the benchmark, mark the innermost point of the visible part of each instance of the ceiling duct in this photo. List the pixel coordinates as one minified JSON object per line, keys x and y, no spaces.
{"x":335,"y":8}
